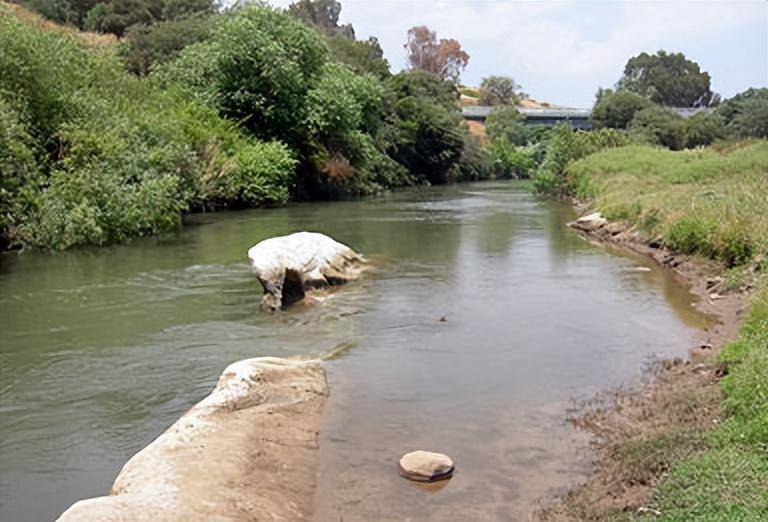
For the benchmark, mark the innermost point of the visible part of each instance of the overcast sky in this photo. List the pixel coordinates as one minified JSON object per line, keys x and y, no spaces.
{"x":561,"y":52}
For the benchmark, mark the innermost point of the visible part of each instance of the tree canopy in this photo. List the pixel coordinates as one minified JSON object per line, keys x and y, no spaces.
{"x":444,"y":58}
{"x":616,"y":109}
{"x":500,"y":90}
{"x":669,"y":79}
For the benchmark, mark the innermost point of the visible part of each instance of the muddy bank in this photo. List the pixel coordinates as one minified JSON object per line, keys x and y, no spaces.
{"x":248,"y":451}
{"x":639,"y":433}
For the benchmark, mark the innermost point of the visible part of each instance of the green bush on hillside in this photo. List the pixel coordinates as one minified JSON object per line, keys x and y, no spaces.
{"x":659,"y":126}
{"x":113,"y":156}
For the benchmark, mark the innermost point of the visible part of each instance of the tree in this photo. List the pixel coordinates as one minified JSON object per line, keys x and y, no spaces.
{"x":616,"y":109}
{"x":445,"y":58}
{"x":323,"y":14}
{"x":732,"y":107}
{"x":426,"y":136}
{"x":659,"y":125}
{"x":500,"y":90}
{"x":506,"y":123}
{"x":668,"y":79}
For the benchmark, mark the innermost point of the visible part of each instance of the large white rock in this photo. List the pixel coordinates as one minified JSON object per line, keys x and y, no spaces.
{"x":246,"y":452}
{"x":288,"y":266}
{"x":425,"y":466}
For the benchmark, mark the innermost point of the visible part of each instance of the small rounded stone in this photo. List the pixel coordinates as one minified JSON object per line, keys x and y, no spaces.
{"x":425,"y":466}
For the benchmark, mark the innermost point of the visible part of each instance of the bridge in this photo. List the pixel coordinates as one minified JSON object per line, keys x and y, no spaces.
{"x":578,"y":118}
{"x":551,"y":116}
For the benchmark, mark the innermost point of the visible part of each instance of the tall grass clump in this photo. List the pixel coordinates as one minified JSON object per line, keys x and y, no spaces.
{"x":93,"y":155}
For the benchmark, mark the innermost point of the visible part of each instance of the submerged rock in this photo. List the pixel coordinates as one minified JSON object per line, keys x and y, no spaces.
{"x":425,"y":466}
{"x":288,"y":266}
{"x":247,"y":452}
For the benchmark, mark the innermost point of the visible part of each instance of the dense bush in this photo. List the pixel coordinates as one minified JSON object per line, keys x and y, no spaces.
{"x":703,"y":128}
{"x":660,"y":126}
{"x":426,"y":136}
{"x":506,"y":123}
{"x":96,"y":155}
{"x":616,"y":109}
{"x":147,"y":45}
{"x":752,"y":120}
{"x":510,"y":161}
{"x":563,"y":146}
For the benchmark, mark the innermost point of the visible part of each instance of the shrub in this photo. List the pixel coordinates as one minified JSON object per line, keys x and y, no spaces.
{"x":752,"y":120}
{"x":147,"y":45}
{"x":703,"y":128}
{"x":617,"y":109}
{"x":511,"y":162}
{"x":506,"y":123}
{"x":659,"y":126}
{"x":100,"y":155}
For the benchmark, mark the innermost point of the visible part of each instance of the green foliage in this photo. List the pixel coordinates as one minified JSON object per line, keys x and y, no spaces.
{"x":564,"y":146}
{"x":362,"y":56}
{"x":726,"y":481}
{"x":703,"y":128}
{"x":752,"y":120}
{"x":426,"y":136}
{"x":659,"y":126}
{"x":616,"y":109}
{"x":145,"y":46}
{"x":700,"y":201}
{"x":669,"y":79}
{"x":499,"y":90}
{"x":257,"y":68}
{"x":97,"y":155}
{"x":506,"y":123}
{"x":510,"y":161}
{"x":732,"y":107}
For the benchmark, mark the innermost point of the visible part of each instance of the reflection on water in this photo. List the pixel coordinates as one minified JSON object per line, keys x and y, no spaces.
{"x":103,"y":349}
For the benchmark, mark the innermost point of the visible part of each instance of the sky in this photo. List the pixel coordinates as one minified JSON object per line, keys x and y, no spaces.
{"x":561,"y":52}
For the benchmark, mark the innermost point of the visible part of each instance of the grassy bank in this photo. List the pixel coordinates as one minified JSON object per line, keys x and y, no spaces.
{"x":713,"y":203}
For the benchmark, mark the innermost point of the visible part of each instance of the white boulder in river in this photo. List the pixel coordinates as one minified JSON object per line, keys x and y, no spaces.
{"x":288,"y":266}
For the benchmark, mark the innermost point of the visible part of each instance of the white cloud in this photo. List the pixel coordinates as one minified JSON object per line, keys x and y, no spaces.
{"x":562,"y":51}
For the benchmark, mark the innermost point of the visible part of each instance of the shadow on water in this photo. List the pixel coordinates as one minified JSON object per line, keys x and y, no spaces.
{"x":103,"y":349}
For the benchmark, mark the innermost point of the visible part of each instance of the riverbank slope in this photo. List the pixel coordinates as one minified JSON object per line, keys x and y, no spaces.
{"x":690,"y":445}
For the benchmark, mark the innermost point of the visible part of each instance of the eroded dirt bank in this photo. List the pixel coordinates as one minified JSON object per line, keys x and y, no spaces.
{"x":248,"y":451}
{"x":639,"y":433}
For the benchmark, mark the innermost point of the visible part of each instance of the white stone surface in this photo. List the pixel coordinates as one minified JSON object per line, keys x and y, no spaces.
{"x":288,"y":266}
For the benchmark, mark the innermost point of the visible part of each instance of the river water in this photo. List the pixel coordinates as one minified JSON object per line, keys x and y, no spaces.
{"x":483,"y":319}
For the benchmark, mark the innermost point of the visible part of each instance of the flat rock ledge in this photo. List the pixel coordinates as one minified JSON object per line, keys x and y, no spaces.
{"x":246,"y":452}
{"x":289,"y":266}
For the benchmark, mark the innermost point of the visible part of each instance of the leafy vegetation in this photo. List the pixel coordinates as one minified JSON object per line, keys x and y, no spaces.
{"x":616,"y":110}
{"x":93,"y":155}
{"x":500,"y":90}
{"x":247,"y":107}
{"x":668,"y":79}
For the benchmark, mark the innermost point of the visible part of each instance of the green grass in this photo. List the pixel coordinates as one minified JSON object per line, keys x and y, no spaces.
{"x":698,"y":201}
{"x":713,"y":203}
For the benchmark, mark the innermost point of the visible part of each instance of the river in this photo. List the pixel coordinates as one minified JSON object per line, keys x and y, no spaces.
{"x":482,"y":322}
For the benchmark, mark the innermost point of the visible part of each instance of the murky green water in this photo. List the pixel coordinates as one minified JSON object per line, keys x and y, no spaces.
{"x":104,"y":349}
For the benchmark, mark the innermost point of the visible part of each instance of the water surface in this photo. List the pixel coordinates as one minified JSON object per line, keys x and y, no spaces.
{"x":481,"y":322}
